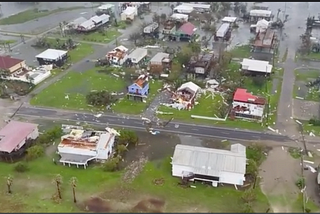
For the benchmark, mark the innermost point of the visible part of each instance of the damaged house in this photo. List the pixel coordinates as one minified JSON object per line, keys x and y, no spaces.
{"x":79,"y":146}
{"x":159,"y":63}
{"x":185,"y":96}
{"x":118,"y":55}
{"x":151,"y":30}
{"x":185,"y":33}
{"x":247,"y":106}
{"x":201,"y":65}
{"x":264,"y":45}
{"x":139,"y":89}
{"x":169,"y":27}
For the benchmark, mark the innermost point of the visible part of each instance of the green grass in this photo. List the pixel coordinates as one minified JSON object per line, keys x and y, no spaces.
{"x":298,"y":207}
{"x":206,"y":107}
{"x":136,"y":107}
{"x":307,"y":128}
{"x":313,"y":95}
{"x":105,"y":37}
{"x":273,"y":105}
{"x":76,"y":85}
{"x":31,"y":14}
{"x":9,"y":41}
{"x":306,"y":75}
{"x":241,"y":51}
{"x":311,"y":56}
{"x":32,"y":190}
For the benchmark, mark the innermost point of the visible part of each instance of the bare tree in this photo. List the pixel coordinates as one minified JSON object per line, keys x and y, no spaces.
{"x":135,"y":37}
{"x":73,"y":182}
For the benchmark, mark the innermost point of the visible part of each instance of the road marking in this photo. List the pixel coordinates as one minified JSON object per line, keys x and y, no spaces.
{"x":133,"y":127}
{"x":195,"y":129}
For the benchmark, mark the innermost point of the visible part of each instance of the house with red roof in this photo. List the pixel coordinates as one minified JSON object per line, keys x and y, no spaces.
{"x":15,"y":138}
{"x":185,"y":32}
{"x":247,"y":106}
{"x":12,"y":65}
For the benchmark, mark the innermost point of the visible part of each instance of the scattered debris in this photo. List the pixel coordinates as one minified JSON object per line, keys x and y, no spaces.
{"x":134,"y":169}
{"x":98,"y":115}
{"x":310,"y":162}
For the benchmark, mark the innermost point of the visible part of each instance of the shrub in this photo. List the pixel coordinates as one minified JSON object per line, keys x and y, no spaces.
{"x":247,"y":208}
{"x":255,"y":152}
{"x":111,"y":165}
{"x":34,"y":152}
{"x":300,"y":183}
{"x":252,"y":168}
{"x":248,"y":195}
{"x":21,"y":167}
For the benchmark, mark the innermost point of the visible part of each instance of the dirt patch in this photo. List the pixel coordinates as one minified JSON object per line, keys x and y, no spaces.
{"x":279,"y":173}
{"x":150,"y":205}
{"x":97,"y":204}
{"x":134,"y":169}
{"x":158,"y":181}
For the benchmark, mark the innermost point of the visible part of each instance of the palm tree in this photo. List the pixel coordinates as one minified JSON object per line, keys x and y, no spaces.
{"x":58,"y":182}
{"x":9,"y":183}
{"x":73,"y":182}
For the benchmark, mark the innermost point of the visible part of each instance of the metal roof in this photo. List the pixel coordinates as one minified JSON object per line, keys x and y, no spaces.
{"x":14,"y":133}
{"x":75,"y":159}
{"x":189,"y":85}
{"x":211,"y":162}
{"x":159,"y":57}
{"x":52,"y":54}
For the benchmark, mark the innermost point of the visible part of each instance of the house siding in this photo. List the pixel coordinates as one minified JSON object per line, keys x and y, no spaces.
{"x":135,"y":89}
{"x":17,"y":67}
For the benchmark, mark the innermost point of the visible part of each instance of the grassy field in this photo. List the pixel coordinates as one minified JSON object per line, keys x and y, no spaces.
{"x":206,"y":107}
{"x":311,"y":56}
{"x":76,"y":85}
{"x":241,"y":51}
{"x":33,"y":190}
{"x":31,"y":14}
{"x":10,"y":41}
{"x":306,"y":75}
{"x":105,"y":37}
{"x":136,"y":107}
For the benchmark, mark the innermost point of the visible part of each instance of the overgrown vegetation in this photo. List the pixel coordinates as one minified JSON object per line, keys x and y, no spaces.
{"x":255,"y":156}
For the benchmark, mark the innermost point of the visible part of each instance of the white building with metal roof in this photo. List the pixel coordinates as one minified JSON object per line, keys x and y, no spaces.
{"x":210,"y":165}
{"x":137,"y":55}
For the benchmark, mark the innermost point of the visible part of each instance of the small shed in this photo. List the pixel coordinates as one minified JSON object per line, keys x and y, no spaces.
{"x":129,"y":13}
{"x":137,"y":55}
{"x":52,"y":56}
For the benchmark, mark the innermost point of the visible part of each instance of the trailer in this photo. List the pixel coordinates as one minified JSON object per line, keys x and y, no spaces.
{"x":180,"y":17}
{"x":151,"y":28}
{"x":222,"y":31}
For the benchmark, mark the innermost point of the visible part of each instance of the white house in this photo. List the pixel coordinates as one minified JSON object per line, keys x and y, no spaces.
{"x":229,"y":19}
{"x":186,"y":95}
{"x":81,"y":146}
{"x":183,"y":9}
{"x":256,"y":67}
{"x":198,"y":6}
{"x":14,"y":135}
{"x":257,"y":14}
{"x":137,"y":55}
{"x":129,"y":13}
{"x":210,"y":165}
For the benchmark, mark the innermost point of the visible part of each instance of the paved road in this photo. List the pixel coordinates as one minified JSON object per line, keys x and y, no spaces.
{"x":136,"y":123}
